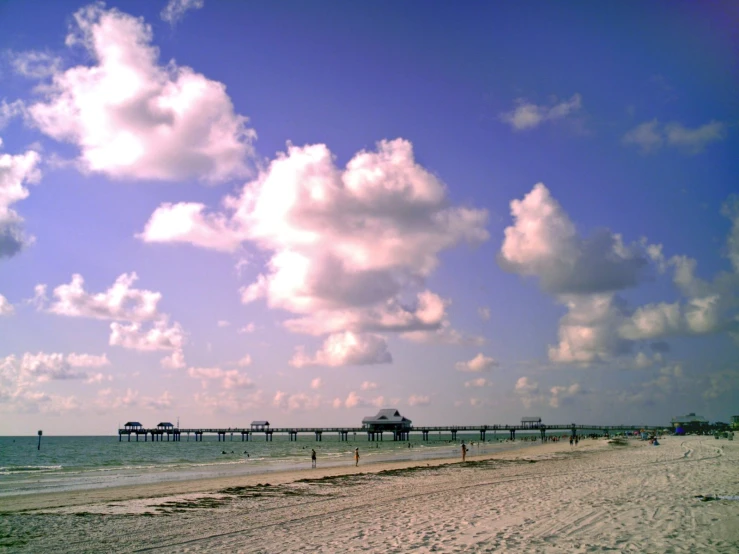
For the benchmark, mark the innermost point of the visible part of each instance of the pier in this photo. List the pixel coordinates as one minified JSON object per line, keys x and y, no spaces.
{"x":251,"y":433}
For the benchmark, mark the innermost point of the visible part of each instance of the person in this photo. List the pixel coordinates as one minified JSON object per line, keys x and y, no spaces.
{"x":464,"y":452}
{"x":356,"y":457}
{"x":313,"y":457}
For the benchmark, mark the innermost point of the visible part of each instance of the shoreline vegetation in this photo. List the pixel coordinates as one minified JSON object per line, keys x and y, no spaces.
{"x":545,"y":497}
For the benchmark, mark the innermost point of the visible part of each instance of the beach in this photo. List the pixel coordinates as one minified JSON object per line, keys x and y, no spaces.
{"x":543,"y":498}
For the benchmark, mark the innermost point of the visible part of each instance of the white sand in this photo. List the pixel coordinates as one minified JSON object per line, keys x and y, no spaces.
{"x":594,"y":498}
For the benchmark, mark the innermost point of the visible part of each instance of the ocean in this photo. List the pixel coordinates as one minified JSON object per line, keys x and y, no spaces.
{"x":76,"y":463}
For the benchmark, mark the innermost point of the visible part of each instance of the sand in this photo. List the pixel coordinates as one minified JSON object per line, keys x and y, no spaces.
{"x":547,"y":498}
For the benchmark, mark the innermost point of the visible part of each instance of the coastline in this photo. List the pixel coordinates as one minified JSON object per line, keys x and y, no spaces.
{"x":676,"y":497}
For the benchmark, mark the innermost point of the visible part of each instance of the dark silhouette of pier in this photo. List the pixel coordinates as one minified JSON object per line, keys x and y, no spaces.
{"x":250,"y":433}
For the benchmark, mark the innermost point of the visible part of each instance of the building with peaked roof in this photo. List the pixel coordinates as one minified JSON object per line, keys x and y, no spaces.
{"x":165,"y":425}
{"x":259,"y":425}
{"x":531,"y":422}
{"x":690,"y":423}
{"x":132,"y":425}
{"x":388,"y":419}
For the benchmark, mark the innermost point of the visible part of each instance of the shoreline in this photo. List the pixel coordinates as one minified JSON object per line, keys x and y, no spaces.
{"x":78,"y":497}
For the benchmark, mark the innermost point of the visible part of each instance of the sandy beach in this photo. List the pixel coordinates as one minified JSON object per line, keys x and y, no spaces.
{"x":546,"y":498}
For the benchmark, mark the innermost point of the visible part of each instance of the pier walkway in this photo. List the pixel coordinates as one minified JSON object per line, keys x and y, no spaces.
{"x":248,"y":433}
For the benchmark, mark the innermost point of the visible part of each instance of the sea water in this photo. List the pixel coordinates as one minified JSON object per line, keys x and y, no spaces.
{"x":78,"y":463}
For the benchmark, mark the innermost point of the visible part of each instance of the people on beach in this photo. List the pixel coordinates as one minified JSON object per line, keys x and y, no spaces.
{"x":464,"y":452}
{"x":313,"y":457}
{"x":356,"y":457}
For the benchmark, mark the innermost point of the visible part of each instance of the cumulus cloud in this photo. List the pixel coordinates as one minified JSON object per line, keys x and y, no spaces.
{"x":651,"y":136}
{"x":353,"y":400}
{"x":244,"y":361}
{"x":316,"y":383}
{"x":298,"y":402}
{"x":445,"y":334}
{"x":6,"y":308}
{"x":230,"y":402}
{"x":223,"y":323}
{"x":176,"y":360}
{"x":133,"y":118}
{"x":121,"y":301}
{"x":543,"y":242}
{"x":419,"y":400}
{"x":175,"y":10}
{"x":35,"y":64}
{"x":228,"y":379}
{"x":350,"y":249}
{"x":87,"y":360}
{"x":478,"y":383}
{"x":249,"y":328}
{"x":563,"y":395}
{"x":528,"y":116}
{"x":9,"y":111}
{"x":484,"y":313}
{"x":528,"y":391}
{"x":368,"y":385}
{"x":477,"y":364}
{"x":16,"y":171}
{"x":159,"y":335}
{"x":345,"y":349}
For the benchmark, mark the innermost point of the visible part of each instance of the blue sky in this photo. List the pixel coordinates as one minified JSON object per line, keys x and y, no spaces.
{"x":307,"y":211}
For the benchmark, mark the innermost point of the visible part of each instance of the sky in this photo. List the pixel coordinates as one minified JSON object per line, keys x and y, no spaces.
{"x":219,"y":212}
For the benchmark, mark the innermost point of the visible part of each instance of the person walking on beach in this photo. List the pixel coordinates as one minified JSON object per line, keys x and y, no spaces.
{"x":356,"y":457}
{"x":464,"y":452}
{"x":313,"y":457}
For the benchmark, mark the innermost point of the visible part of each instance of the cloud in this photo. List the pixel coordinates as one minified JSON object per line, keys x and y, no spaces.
{"x":223,"y":323}
{"x":16,"y":171}
{"x":228,"y":379}
{"x":350,"y":249}
{"x":484,"y":313}
{"x":650,"y":136}
{"x":477,"y":364}
{"x":97,"y":378}
{"x":543,"y":242}
{"x":563,"y":395}
{"x":299,"y":402}
{"x":528,"y":391}
{"x":368,"y":385}
{"x":132,"y":118}
{"x":159,"y":335}
{"x":316,"y":383}
{"x":445,"y":334}
{"x":176,"y":360}
{"x":35,"y":64}
{"x":345,"y":349}
{"x":87,"y":360}
{"x":418,"y":400}
{"x":730,"y":210}
{"x":353,"y":400}
{"x":9,"y":111}
{"x":175,"y":10}
{"x":119,"y":302}
{"x":6,"y":308}
{"x":249,"y":328}
{"x":528,"y":116}
{"x":230,"y":402}
{"x":478,"y":383}
{"x":245,"y":361}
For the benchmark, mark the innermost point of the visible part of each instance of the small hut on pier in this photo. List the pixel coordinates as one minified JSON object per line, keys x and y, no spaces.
{"x":260,"y":425}
{"x":388,"y":419}
{"x":133,"y":426}
{"x":165,"y":425}
{"x":530,"y":422}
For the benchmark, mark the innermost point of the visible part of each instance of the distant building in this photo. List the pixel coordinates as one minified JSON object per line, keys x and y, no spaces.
{"x":133,"y":425}
{"x":690,"y":423}
{"x":530,"y":422}
{"x":259,"y":425}
{"x":386,"y":420}
{"x":165,"y":425}
{"x":735,"y":422}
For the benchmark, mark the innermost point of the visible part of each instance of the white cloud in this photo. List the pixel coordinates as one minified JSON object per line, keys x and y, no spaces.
{"x":528,"y":391}
{"x":348,"y":247}
{"x":478,"y":383}
{"x":730,"y":210}
{"x":6,"y":308}
{"x":543,"y":242}
{"x":345,"y":349}
{"x":97,"y":378}
{"x":9,"y":111}
{"x":15,"y":172}
{"x":418,"y":400}
{"x":159,"y":336}
{"x":299,"y":402}
{"x":368,"y":385}
{"x":445,"y":334}
{"x":561,"y":394}
{"x":230,"y":402}
{"x":35,"y":64}
{"x":133,"y":118}
{"x":249,"y":328}
{"x":353,"y":400}
{"x":120,"y":301}
{"x":87,"y":360}
{"x":651,"y":136}
{"x":176,"y":360}
{"x":245,"y":361}
{"x":527,"y":115}
{"x":223,"y":323}
{"x":316,"y":383}
{"x":175,"y":10}
{"x":477,"y":364}
{"x":228,"y":379}
{"x":484,"y":313}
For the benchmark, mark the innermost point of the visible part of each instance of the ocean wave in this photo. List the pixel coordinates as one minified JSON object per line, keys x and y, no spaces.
{"x":28,"y":469}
